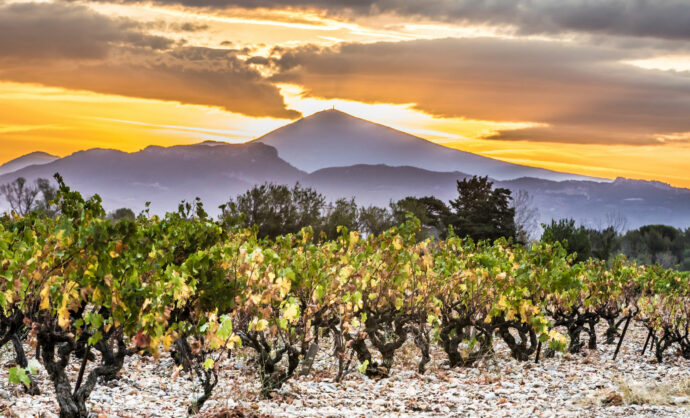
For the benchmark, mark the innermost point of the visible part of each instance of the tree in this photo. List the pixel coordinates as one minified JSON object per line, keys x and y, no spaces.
{"x":482,"y":211}
{"x":374,"y":220}
{"x":661,"y":244}
{"x":20,"y":196}
{"x":342,"y":213}
{"x":275,"y":209}
{"x":24,"y":198}
{"x":603,"y":242}
{"x":431,"y":212}
{"x":122,"y":213}
{"x":47,"y":204}
{"x":526,"y":216}
{"x":617,"y":221}
{"x":575,"y":239}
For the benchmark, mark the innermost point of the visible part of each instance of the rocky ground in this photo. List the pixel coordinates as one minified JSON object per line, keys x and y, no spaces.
{"x":591,"y":384}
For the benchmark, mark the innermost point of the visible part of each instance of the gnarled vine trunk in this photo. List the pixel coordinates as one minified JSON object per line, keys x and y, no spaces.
{"x":56,"y":350}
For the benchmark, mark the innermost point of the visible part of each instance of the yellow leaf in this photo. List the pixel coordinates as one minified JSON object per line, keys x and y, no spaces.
{"x":63,"y":317}
{"x":397,"y":243}
{"x":234,"y":341}
{"x":260,"y":325}
{"x":291,"y":312}
{"x":257,"y":256}
{"x":45,"y":298}
{"x":97,"y":296}
{"x":284,"y":286}
{"x":502,"y":303}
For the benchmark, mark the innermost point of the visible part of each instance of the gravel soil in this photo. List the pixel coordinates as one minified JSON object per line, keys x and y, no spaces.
{"x":587,"y":384}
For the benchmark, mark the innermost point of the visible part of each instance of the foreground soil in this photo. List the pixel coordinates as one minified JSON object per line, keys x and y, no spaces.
{"x":587,"y":384}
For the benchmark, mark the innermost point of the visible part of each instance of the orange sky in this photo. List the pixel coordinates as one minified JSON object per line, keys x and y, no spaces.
{"x":169,"y":75}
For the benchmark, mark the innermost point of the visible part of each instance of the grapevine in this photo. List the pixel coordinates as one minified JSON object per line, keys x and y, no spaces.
{"x":80,"y":288}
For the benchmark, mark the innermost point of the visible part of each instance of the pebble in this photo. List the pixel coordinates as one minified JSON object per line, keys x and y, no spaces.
{"x":499,"y":386}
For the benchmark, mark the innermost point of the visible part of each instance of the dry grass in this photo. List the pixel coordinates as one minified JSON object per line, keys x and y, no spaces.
{"x":667,"y":393}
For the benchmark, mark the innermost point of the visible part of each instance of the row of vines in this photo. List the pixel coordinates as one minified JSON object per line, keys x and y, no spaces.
{"x":82,"y":289}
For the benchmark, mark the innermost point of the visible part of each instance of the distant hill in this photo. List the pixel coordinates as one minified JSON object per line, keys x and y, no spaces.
{"x":335,"y":139}
{"x":640,"y":202}
{"x":165,"y":176}
{"x":589,"y":202}
{"x":35,"y":158}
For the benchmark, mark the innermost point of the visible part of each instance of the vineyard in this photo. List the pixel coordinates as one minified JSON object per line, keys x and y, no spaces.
{"x":85,"y":292}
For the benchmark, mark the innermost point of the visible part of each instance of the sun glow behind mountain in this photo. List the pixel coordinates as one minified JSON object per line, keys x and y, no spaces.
{"x":125,"y":74}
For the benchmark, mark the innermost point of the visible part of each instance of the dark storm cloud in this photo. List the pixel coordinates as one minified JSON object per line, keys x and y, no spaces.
{"x":667,"y":19}
{"x":584,"y":93}
{"x":67,"y":45}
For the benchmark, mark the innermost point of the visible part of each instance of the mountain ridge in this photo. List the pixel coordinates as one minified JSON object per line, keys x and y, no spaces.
{"x":588,"y":202}
{"x":166,"y":175}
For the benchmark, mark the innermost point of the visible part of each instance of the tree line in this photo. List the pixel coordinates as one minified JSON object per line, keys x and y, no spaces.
{"x":480,"y":211}
{"x":649,"y":244}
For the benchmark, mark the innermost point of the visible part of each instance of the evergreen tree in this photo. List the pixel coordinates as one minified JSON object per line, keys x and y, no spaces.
{"x":482,"y":211}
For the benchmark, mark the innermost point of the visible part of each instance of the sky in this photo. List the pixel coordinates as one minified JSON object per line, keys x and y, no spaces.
{"x":598,"y":88}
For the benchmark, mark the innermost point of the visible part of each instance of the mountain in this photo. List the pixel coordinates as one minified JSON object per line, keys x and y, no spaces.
{"x":589,"y":202}
{"x":216,"y":171}
{"x":165,"y":176}
{"x":335,"y":139}
{"x":640,"y":202}
{"x":35,"y":158}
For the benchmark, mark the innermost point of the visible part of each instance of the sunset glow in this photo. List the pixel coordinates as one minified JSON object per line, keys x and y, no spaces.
{"x":128,"y":74}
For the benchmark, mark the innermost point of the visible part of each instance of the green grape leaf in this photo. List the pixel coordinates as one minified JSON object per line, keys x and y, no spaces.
{"x":18,"y":375}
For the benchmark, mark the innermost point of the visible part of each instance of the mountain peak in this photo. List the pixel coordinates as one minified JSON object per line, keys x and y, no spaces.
{"x":330,"y":113}
{"x":33,"y":155}
{"x":33,"y":158}
{"x":335,"y":119}
{"x":333,"y":138}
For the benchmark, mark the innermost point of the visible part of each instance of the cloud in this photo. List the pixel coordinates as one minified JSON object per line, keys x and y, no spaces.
{"x":583,"y":94}
{"x":56,"y":30}
{"x":188,"y":27}
{"x":71,"y":46}
{"x":666,"y":19}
